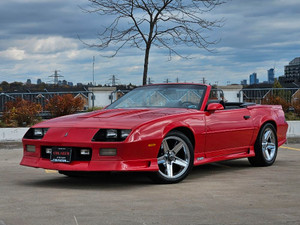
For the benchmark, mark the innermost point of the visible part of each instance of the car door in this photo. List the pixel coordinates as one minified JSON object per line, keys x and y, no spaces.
{"x":228,"y":132}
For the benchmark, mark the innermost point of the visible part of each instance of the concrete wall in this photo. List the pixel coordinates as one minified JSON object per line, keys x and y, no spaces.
{"x":12,"y":134}
{"x":16,"y":134}
{"x":294,"y":129}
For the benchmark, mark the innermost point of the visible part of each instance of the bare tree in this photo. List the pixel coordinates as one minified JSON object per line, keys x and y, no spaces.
{"x":162,"y":23}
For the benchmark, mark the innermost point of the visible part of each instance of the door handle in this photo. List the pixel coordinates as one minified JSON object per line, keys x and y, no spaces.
{"x":247,"y":117}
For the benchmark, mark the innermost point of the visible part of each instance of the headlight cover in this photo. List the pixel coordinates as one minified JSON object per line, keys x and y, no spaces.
{"x":36,"y":133}
{"x":111,"y":135}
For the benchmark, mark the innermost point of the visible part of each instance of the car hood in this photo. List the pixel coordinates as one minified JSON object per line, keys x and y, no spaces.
{"x":113,"y":118}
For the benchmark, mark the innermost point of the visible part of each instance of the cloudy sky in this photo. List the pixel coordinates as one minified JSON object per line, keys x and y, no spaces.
{"x":40,"y":36}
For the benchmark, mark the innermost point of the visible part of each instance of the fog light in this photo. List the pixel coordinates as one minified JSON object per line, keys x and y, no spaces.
{"x":85,"y":152}
{"x":108,"y":151}
{"x":48,"y":150}
{"x":30,"y":148}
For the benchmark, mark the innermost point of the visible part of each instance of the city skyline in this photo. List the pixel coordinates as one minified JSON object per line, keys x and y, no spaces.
{"x":38,"y":37}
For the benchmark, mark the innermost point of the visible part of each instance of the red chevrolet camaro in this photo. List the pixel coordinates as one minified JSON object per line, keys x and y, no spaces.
{"x":165,"y":129}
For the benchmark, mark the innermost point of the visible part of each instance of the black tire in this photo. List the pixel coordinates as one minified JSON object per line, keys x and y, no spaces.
{"x":175,"y":159}
{"x":266,"y":147}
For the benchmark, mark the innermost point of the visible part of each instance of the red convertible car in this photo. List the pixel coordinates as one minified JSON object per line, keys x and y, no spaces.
{"x":165,"y":129}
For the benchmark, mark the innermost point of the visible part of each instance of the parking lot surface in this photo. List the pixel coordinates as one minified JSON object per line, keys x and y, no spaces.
{"x":230,"y":192}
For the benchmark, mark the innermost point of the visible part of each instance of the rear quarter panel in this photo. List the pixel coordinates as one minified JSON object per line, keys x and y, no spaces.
{"x":274,"y":114}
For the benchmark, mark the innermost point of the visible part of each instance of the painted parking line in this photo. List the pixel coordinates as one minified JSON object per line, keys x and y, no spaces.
{"x":295,"y":149}
{"x":51,"y":171}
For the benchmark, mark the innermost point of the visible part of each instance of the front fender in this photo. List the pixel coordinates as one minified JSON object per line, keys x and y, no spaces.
{"x":154,"y":132}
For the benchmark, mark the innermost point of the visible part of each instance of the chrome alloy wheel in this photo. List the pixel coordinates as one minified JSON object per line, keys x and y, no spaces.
{"x":268,"y":144}
{"x":265,"y":146}
{"x":174,"y":157}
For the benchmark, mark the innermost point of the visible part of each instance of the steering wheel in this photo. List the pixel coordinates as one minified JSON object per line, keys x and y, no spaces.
{"x":188,"y":104}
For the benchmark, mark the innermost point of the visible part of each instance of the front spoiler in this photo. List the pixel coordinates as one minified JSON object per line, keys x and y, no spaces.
{"x":121,"y":165}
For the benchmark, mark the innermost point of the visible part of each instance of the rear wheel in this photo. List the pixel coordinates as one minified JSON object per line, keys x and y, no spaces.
{"x":266,"y":147}
{"x":175,"y":158}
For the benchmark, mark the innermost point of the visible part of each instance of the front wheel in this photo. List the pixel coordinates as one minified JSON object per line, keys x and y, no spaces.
{"x":175,"y":158}
{"x":266,"y":147}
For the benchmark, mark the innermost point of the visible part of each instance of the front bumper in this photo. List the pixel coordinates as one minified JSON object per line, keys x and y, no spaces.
{"x":136,"y":156}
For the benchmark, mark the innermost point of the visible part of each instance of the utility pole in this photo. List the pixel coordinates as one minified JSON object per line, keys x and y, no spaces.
{"x":93,"y":96}
{"x":204,"y":80}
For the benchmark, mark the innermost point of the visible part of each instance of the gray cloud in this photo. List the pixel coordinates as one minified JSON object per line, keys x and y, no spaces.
{"x":39,"y":36}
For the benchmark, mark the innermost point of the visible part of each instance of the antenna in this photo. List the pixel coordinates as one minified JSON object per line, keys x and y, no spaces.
{"x":93,"y":70}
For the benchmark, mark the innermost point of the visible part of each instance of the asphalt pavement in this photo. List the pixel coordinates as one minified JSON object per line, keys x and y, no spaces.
{"x":230,"y":192}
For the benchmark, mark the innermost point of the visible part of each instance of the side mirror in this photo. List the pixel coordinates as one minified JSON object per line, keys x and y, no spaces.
{"x":214,"y":107}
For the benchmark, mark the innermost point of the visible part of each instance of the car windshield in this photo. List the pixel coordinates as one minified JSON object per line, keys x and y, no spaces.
{"x":163,"y":96}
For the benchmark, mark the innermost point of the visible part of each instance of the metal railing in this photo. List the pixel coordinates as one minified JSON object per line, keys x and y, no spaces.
{"x":261,"y":94}
{"x":41,"y":98}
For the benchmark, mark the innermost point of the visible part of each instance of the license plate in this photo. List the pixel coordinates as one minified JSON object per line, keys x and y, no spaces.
{"x":61,"y":154}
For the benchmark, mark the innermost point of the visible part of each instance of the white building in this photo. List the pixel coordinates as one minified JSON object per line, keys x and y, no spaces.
{"x":232,"y":93}
{"x":103,"y":96}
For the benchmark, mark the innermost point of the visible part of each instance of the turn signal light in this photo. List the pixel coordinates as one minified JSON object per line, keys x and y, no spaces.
{"x":108,"y":151}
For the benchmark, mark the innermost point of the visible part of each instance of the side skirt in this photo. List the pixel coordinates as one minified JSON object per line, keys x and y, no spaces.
{"x":200,"y":159}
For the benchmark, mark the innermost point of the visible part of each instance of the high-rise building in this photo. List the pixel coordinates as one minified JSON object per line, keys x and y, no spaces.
{"x":39,"y":81}
{"x":253,"y":78}
{"x":293,"y":69}
{"x":291,"y":72}
{"x":244,"y":82}
{"x":28,"y":81}
{"x":271,"y":75}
